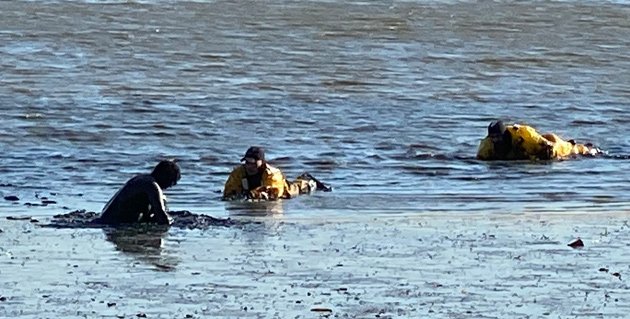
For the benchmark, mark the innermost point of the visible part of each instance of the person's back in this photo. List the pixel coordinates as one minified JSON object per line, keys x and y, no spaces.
{"x":522,"y":142}
{"x":141,"y":199}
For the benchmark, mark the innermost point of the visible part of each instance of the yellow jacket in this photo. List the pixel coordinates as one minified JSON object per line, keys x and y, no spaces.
{"x":527,"y":144}
{"x":273,"y":185}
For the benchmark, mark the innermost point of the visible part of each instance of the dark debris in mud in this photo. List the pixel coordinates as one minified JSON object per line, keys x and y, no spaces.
{"x":18,"y":217}
{"x":28,"y":218}
{"x":188,"y":220}
{"x":11,"y":198}
{"x":578,"y":243}
{"x":180,"y":219}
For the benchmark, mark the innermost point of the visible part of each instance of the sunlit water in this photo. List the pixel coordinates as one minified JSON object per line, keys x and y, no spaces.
{"x":386,"y":101}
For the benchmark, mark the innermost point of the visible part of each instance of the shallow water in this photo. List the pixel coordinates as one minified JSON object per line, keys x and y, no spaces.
{"x":385,"y":100}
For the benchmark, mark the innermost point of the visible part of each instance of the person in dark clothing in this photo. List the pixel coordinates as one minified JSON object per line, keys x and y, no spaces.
{"x":141,"y":199}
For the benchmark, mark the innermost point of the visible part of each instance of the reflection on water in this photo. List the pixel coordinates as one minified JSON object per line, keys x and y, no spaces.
{"x":255,"y":208}
{"x":144,"y":244}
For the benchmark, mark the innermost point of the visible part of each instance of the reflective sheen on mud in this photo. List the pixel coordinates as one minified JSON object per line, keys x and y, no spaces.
{"x":384,"y":100}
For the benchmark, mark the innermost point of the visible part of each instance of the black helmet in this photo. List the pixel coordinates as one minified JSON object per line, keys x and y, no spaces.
{"x":496,"y":128}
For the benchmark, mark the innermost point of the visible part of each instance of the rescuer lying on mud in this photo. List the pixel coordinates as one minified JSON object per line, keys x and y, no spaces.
{"x":257,"y":179}
{"x":522,"y":142}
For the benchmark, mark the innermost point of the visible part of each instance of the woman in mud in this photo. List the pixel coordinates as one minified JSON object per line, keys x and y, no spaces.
{"x":141,"y":198}
{"x":256,"y":179}
{"x":522,"y":142}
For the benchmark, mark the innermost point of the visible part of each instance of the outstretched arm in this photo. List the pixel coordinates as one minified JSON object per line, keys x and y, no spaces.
{"x":157,"y":213}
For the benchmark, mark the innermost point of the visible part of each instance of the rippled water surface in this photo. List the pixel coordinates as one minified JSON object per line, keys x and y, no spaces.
{"x":385,"y":100}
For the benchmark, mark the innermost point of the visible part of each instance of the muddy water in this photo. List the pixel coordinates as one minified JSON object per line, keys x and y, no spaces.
{"x":385,"y":100}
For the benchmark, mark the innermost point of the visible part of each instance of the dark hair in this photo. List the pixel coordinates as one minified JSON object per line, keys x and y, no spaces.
{"x":166,"y":173}
{"x":496,"y":128}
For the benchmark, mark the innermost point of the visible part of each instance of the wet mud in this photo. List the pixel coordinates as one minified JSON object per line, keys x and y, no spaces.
{"x":456,"y":266}
{"x":180,"y":219}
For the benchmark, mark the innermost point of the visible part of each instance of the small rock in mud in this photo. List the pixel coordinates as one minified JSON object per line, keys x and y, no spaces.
{"x":320,"y":309}
{"x":164,"y":267}
{"x":11,"y":198}
{"x":18,"y":217}
{"x":578,"y":243}
{"x":48,"y":201}
{"x":32,"y":204}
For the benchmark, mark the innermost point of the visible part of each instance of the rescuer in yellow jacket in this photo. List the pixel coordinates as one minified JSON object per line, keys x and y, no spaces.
{"x":256,"y":179}
{"x":522,"y":142}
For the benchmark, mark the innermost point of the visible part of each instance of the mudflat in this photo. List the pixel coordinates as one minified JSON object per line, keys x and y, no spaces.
{"x":373,"y":266}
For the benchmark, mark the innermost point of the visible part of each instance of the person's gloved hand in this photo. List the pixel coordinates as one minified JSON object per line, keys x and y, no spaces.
{"x":260,"y":193}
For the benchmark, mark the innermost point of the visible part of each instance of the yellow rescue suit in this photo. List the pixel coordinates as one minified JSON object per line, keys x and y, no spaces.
{"x":527,"y":144}
{"x":273,"y":185}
